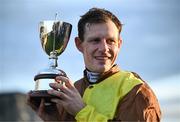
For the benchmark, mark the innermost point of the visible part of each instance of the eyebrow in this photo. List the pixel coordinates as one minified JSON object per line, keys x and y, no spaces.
{"x":93,"y":38}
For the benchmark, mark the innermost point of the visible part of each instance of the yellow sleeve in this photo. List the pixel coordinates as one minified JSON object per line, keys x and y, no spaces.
{"x":89,"y":114}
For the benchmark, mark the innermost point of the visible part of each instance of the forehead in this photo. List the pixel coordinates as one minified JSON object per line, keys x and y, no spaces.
{"x":101,"y":30}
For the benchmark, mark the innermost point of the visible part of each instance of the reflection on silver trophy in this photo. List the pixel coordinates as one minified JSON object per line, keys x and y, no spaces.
{"x":54,"y":37}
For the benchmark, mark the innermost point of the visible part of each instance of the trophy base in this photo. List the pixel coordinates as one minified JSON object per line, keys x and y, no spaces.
{"x":37,"y":95}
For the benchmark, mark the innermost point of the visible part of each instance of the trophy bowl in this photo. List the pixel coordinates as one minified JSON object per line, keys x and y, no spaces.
{"x":54,"y":37}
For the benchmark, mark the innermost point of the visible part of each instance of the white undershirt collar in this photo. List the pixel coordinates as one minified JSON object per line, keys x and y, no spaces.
{"x":92,"y":76}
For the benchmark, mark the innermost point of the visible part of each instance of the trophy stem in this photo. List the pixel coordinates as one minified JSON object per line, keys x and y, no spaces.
{"x":51,"y":72}
{"x":53,"y":59}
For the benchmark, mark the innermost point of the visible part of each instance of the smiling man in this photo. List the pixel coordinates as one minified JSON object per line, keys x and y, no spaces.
{"x":106,"y":92}
{"x":100,"y":46}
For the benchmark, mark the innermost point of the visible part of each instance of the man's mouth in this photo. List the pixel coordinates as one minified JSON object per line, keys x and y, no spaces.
{"x":102,"y":57}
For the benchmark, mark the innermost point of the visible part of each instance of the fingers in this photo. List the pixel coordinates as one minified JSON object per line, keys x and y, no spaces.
{"x":41,"y":107}
{"x":37,"y":108}
{"x":55,"y":86}
{"x":66,"y":87}
{"x":58,"y":101}
{"x":59,"y":87}
{"x":30,"y":102}
{"x":67,"y":82}
{"x":64,"y":91}
{"x":58,"y":94}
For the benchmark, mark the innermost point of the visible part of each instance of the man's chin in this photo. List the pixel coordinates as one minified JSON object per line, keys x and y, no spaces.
{"x":100,"y":69}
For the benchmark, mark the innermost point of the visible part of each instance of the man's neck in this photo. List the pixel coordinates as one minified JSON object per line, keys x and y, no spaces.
{"x":92,"y":76}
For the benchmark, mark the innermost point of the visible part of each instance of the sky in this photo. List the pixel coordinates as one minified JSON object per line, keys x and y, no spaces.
{"x":151,"y":41}
{"x":151,"y":45}
{"x":150,"y":38}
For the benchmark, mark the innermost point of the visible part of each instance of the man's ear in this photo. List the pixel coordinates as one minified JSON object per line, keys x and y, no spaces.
{"x":120,"y":42}
{"x":78,"y":43}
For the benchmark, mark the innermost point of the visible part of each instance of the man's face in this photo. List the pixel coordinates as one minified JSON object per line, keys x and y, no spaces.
{"x":100,"y":46}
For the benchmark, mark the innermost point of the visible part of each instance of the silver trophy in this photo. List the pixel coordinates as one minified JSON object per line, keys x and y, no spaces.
{"x":54,"y":37}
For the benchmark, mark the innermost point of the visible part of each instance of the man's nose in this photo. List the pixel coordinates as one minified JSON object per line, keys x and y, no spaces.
{"x":103,"y":46}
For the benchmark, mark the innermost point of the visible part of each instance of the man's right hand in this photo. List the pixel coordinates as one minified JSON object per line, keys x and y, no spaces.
{"x":45,"y":112}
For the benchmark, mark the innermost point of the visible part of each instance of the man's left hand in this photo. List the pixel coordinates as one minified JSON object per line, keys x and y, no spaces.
{"x":68,"y":95}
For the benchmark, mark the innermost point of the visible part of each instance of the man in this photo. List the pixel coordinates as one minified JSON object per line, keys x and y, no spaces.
{"x":105,"y":93}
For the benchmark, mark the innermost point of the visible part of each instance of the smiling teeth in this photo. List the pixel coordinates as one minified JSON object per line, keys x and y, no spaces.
{"x":101,"y":57}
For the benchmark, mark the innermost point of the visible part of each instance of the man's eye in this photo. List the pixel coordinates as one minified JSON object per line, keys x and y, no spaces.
{"x":111,"y":41}
{"x":94,"y":41}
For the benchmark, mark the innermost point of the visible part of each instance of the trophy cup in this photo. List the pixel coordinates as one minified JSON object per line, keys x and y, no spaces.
{"x":54,"y":37}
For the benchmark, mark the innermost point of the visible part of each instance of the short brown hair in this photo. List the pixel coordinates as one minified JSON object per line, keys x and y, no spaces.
{"x":96,"y":15}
